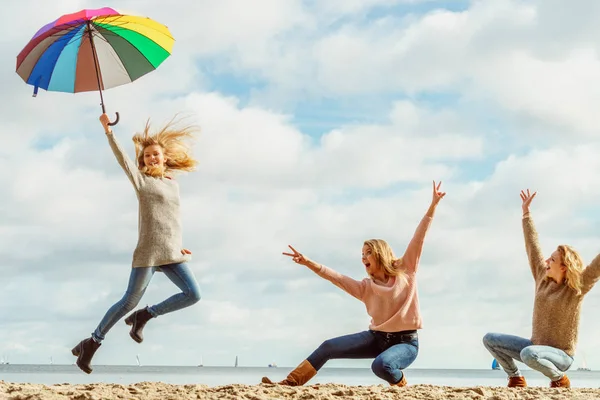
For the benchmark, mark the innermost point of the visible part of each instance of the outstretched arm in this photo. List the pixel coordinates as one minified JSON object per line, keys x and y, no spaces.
{"x":590,"y":275}
{"x":532,"y":244}
{"x":410,"y":259}
{"x":353,"y":287}
{"x":133,"y":173}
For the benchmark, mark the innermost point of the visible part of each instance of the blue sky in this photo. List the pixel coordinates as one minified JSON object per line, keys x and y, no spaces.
{"x":323,"y":124}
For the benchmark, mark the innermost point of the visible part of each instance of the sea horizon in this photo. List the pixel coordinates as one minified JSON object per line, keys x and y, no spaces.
{"x":50,"y":374}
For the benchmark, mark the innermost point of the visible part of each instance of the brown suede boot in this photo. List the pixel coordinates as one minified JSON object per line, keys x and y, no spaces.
{"x":563,"y":382}
{"x":517,"y":381}
{"x":401,"y":383}
{"x":298,"y":377}
{"x":84,"y":351}
{"x":138,"y":320}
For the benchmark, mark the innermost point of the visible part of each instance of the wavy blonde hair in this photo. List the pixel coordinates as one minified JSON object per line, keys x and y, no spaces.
{"x":171,"y":138}
{"x":571,"y":259}
{"x":385,"y":257}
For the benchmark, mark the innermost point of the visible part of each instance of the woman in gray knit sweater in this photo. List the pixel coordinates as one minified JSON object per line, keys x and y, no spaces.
{"x":159,"y":246}
{"x":561,"y":282}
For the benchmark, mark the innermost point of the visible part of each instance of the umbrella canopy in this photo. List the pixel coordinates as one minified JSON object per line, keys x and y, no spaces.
{"x":93,"y":50}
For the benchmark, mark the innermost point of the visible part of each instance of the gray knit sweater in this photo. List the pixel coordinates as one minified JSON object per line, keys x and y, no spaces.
{"x":556,"y":307}
{"x":159,"y":223}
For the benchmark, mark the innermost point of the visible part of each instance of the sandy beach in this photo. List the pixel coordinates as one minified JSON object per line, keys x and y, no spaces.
{"x":162,"y":391}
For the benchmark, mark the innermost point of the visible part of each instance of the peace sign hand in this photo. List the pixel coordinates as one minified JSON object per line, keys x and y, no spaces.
{"x":297,"y":257}
{"x":527,"y":197}
{"x":437,"y":195}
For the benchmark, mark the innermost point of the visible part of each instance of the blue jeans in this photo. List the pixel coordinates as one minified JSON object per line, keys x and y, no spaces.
{"x":550,"y":361}
{"x":179,"y":274}
{"x":391,"y":353}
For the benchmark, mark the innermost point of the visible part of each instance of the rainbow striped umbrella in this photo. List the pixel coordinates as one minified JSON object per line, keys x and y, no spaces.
{"x":93,"y":50}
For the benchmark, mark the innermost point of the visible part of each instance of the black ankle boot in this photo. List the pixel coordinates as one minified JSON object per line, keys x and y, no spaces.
{"x":84,"y":351}
{"x":138,"y":320}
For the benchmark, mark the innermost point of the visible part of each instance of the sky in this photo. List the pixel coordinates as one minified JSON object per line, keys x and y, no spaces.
{"x":323,"y":124}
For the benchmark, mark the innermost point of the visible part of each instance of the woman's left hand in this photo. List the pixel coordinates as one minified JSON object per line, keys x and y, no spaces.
{"x":185,"y":251}
{"x":437,"y":195}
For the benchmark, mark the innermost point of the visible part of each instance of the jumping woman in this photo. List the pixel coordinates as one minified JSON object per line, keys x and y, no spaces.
{"x":159,"y":246}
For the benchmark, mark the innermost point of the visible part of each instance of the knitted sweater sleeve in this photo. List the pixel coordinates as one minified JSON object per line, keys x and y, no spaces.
{"x":533,"y":248}
{"x":590,"y":275}
{"x":412,"y":255}
{"x":132,"y":172}
{"x":353,"y":287}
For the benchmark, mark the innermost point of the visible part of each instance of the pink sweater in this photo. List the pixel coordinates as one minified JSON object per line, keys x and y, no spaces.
{"x":395,"y":307}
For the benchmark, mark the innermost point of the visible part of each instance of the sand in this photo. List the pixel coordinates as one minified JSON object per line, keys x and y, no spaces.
{"x":163,"y":391}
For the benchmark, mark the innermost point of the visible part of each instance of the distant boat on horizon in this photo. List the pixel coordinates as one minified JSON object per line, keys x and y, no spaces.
{"x":236,"y":361}
{"x":272,"y":365}
{"x":137,"y":357}
{"x":583,"y":366}
{"x":201,"y":363}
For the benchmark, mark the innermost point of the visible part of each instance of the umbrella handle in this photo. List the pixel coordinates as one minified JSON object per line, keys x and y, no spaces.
{"x":116,"y":121}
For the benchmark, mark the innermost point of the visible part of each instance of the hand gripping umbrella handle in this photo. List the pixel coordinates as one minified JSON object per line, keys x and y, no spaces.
{"x":116,"y":121}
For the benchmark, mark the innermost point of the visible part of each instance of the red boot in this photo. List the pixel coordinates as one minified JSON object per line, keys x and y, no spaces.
{"x":563,"y":382}
{"x":517,"y":381}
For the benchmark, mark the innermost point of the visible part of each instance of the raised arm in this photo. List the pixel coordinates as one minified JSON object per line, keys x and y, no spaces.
{"x":532,"y":244}
{"x":352,"y":287}
{"x":410,"y":259}
{"x":133,"y":173}
{"x":590,"y":275}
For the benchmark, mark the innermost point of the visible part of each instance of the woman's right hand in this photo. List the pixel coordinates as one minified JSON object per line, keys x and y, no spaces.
{"x":297,"y":257}
{"x":527,"y":197}
{"x":104,"y":120}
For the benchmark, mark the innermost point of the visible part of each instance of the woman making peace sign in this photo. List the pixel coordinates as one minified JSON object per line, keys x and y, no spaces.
{"x":390,"y":296}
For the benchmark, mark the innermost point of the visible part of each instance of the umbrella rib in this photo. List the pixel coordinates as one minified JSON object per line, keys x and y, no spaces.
{"x":74,"y":38}
{"x":116,"y":18}
{"x":59,"y":54}
{"x":136,"y":49}
{"x":59,"y":30}
{"x":99,"y":35}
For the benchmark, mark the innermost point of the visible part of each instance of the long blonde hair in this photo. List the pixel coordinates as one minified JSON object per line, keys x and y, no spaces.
{"x":172,"y":141}
{"x":385,"y":257}
{"x":571,"y":259}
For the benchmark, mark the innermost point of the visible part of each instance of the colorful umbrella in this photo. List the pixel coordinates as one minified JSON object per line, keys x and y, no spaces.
{"x":93,"y":50}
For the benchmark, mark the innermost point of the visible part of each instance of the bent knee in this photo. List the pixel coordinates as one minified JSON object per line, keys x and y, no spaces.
{"x":528,"y":355}
{"x":194,"y":295}
{"x":385,"y":368}
{"x":490,"y":339}
{"x":379,"y":366}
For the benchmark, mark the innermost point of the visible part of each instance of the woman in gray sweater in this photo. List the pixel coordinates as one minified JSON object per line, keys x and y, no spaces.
{"x":561,"y":282}
{"x":159,"y":246}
